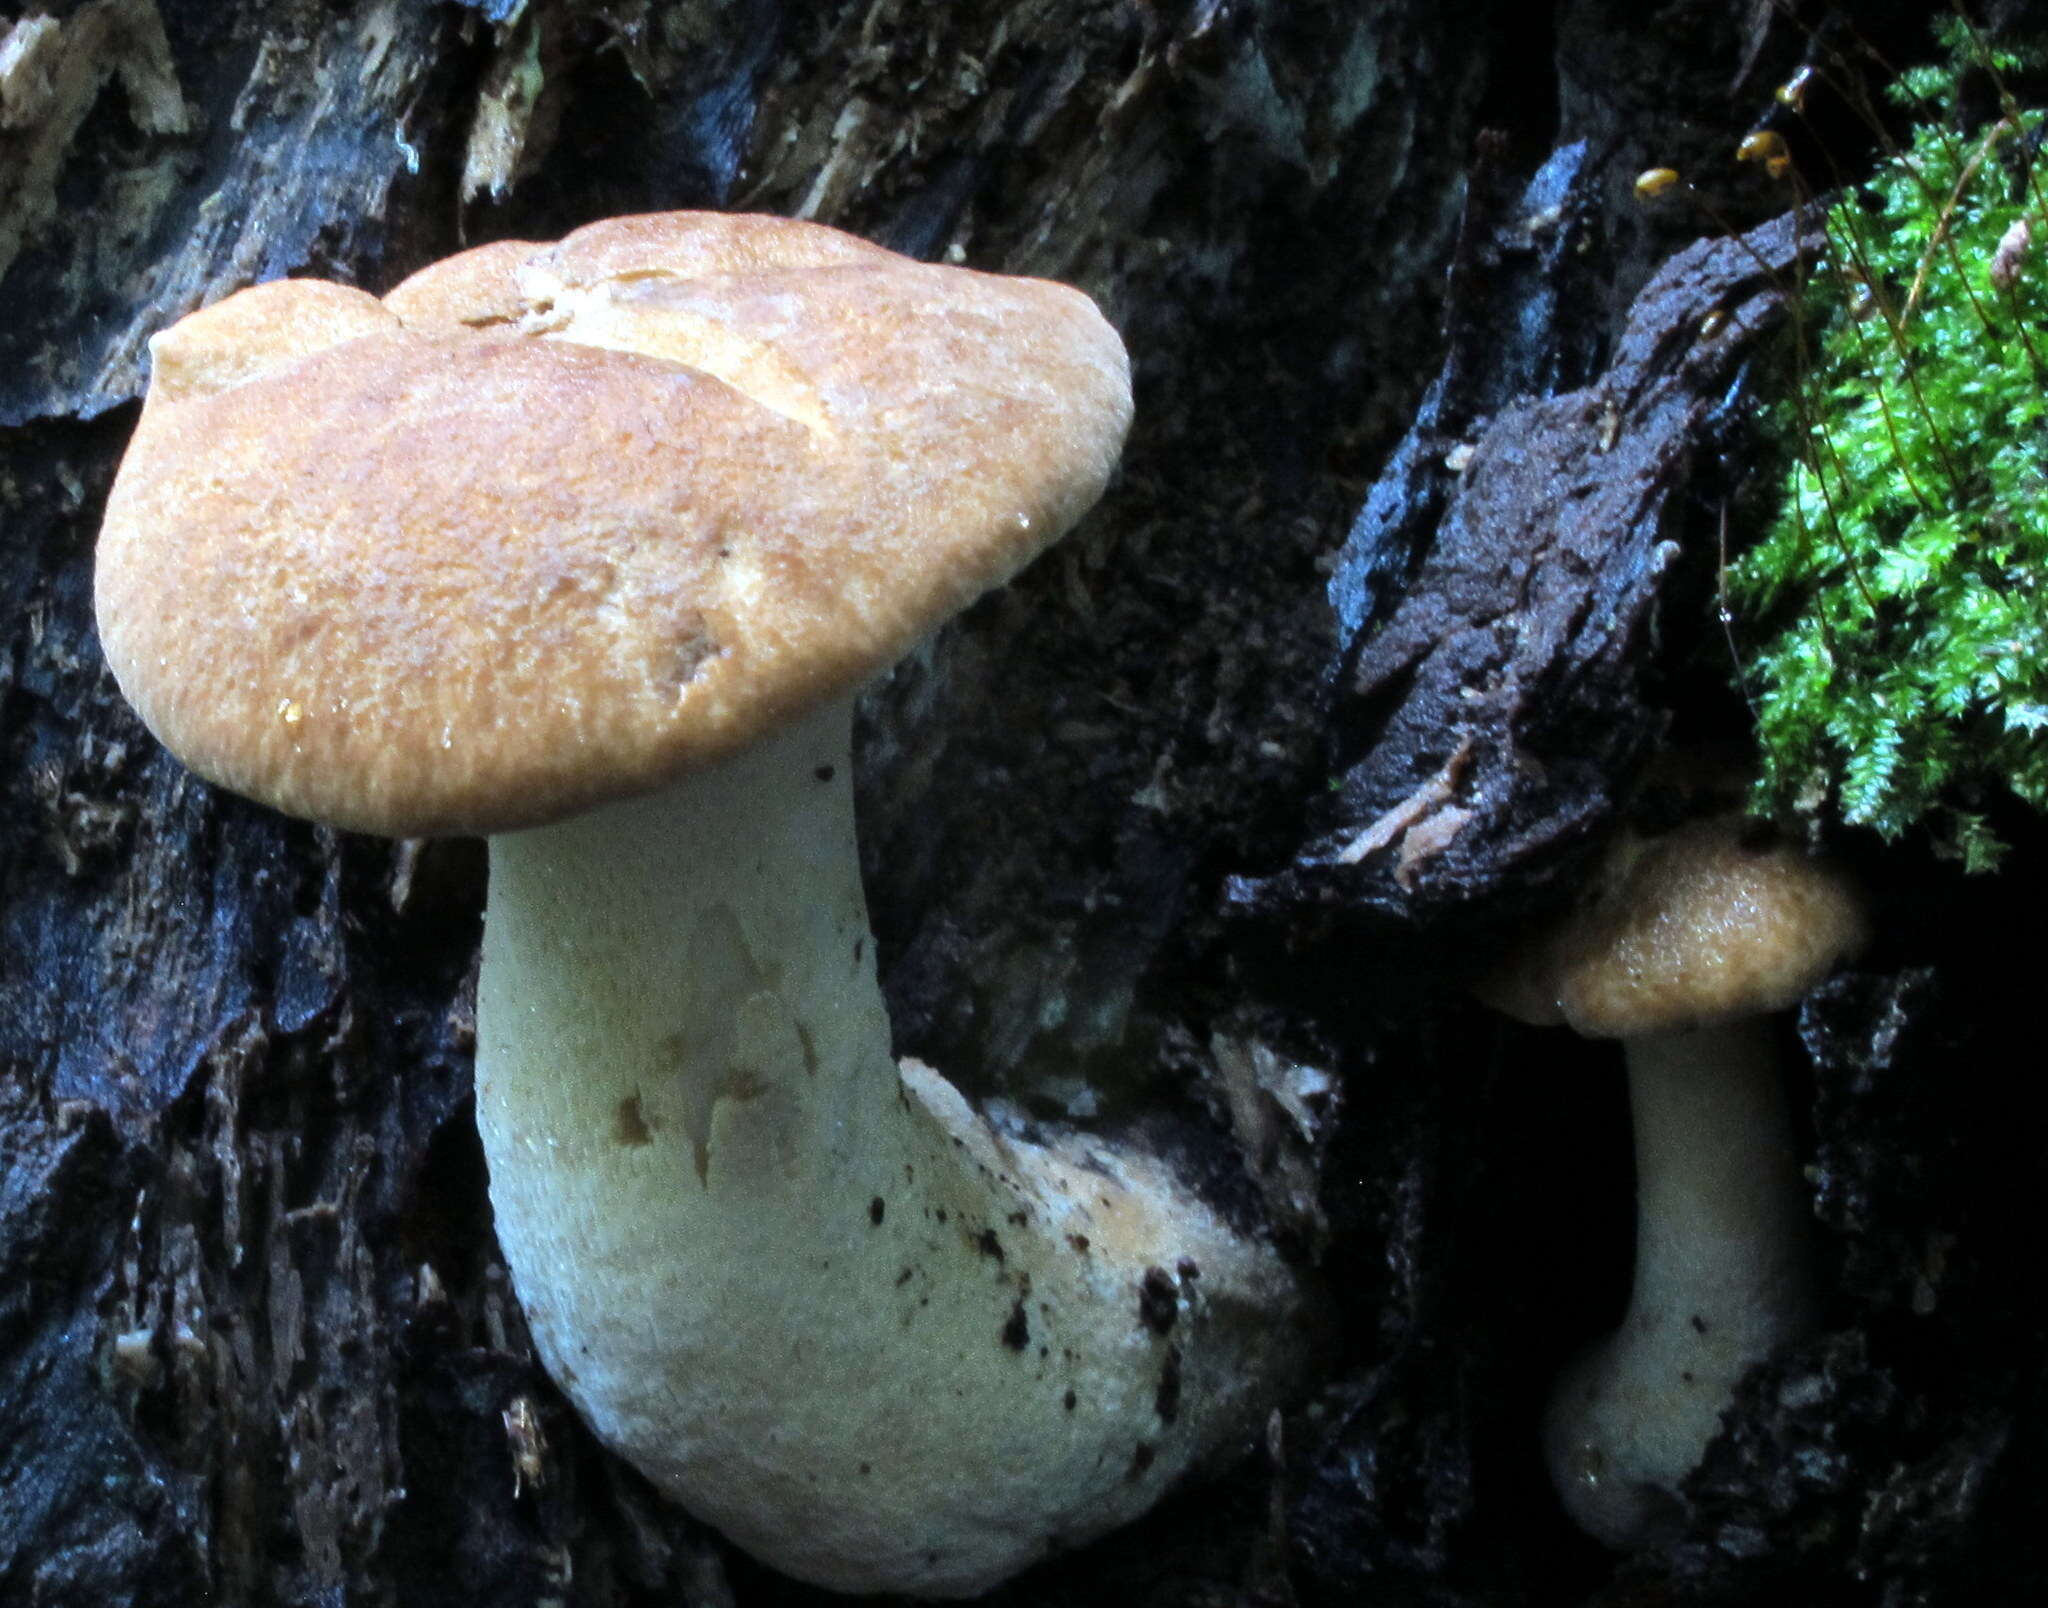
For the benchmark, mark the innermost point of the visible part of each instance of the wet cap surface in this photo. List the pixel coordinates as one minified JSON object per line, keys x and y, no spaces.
{"x":1702,"y":924}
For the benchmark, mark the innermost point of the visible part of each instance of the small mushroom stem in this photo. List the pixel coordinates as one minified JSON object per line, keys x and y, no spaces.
{"x":1721,"y":1278}
{"x":880,"y":1344}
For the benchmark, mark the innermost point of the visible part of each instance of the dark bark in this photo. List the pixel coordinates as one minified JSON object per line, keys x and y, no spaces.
{"x":255,"y":1342}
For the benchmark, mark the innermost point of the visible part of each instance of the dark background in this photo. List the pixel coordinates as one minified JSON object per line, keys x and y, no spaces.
{"x":255,"y":1342}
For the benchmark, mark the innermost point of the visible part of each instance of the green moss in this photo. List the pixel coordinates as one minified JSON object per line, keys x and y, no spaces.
{"x":1906,"y":575}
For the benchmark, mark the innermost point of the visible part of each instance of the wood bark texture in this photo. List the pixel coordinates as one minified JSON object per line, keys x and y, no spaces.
{"x":1200,"y":828}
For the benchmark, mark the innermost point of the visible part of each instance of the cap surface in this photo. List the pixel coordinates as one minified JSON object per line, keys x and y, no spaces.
{"x":1699,"y":925}
{"x":554,"y":524}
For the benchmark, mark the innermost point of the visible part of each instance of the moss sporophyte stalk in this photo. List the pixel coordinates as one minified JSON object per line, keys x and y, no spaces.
{"x":1898,"y":602}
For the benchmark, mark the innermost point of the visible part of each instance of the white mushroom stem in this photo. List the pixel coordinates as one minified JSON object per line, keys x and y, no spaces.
{"x":1721,"y":1278}
{"x":825,"y":1306}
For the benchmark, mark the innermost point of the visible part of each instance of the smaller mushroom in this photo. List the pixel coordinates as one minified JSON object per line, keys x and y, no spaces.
{"x":1690,"y":942}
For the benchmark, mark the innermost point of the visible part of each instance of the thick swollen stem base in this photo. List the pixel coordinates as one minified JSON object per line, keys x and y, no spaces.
{"x":1721,"y":1279}
{"x":821,"y":1304}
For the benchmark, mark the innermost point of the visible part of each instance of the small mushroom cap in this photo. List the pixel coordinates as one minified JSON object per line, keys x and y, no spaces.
{"x":556,"y":524}
{"x":1703,"y":924}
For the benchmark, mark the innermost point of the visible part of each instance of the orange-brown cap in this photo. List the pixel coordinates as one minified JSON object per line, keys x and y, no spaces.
{"x":551,"y":525}
{"x":1703,"y":924}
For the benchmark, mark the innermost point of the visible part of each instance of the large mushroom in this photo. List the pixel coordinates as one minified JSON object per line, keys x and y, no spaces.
{"x":587,"y":548}
{"x":1686,"y":944}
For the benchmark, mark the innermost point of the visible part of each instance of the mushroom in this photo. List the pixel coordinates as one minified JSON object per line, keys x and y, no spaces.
{"x":588,"y":548}
{"x":1687,"y":945}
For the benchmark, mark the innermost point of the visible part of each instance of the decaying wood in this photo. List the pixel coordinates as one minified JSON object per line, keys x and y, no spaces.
{"x":1494,"y":710}
{"x":256,"y":1345}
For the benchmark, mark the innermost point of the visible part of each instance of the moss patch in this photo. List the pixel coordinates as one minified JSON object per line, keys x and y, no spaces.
{"x":1905,"y":686}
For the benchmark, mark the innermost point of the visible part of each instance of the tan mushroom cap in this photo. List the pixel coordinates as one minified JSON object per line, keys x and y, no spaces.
{"x":552,"y":525}
{"x":1700,"y":925}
